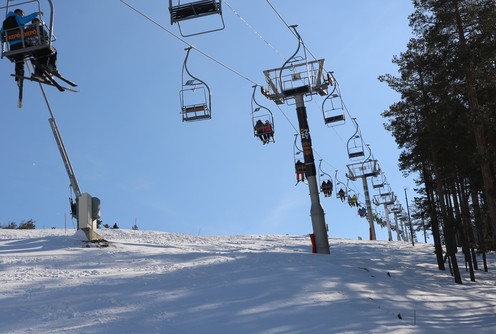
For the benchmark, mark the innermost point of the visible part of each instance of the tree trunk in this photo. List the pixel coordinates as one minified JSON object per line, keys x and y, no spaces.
{"x":436,"y":235}
{"x":478,"y":227}
{"x":480,"y":135}
{"x":461,"y":228}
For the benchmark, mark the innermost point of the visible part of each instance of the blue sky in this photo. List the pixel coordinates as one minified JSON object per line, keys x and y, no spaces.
{"x":128,"y":146}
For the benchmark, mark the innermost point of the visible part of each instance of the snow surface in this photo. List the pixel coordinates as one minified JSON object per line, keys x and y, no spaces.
{"x":156,"y":282}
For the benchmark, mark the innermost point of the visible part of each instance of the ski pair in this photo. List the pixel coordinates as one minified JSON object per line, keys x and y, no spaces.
{"x":47,"y":80}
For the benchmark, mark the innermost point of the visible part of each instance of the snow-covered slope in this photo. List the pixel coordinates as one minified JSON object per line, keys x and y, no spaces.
{"x":155,"y":282}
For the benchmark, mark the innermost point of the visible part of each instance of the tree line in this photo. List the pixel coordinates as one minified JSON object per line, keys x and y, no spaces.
{"x":29,"y":224}
{"x":445,"y":125}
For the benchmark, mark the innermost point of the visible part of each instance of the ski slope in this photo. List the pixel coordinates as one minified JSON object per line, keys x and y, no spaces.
{"x":157,"y":282}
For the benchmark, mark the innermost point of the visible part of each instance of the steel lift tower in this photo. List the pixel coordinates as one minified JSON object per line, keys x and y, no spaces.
{"x":86,"y":209}
{"x":364,"y":170}
{"x":386,"y":200}
{"x":294,"y":83}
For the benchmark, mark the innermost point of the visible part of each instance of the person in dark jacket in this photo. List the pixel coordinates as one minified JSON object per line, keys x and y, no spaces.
{"x":16,"y":19}
{"x":259,"y":129}
{"x":45,"y":56}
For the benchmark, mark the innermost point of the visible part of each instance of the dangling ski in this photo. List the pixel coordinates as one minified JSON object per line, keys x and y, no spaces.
{"x":20,"y":82}
{"x":49,"y":81}
{"x":46,"y":71}
{"x":57,"y":74}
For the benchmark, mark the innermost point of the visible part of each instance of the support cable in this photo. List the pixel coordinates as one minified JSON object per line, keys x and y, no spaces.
{"x":226,"y":66}
{"x":203,"y":53}
{"x":253,"y":29}
{"x":190,"y":45}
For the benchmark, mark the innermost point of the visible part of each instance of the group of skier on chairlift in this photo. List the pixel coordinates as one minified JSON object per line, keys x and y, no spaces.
{"x":27,"y":37}
{"x":43,"y":59}
{"x":264,"y":131}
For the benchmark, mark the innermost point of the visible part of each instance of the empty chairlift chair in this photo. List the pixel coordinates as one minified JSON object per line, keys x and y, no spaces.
{"x":186,"y":10}
{"x":354,"y":145}
{"x":332,"y":106}
{"x":378,"y":181}
{"x":196,"y":99}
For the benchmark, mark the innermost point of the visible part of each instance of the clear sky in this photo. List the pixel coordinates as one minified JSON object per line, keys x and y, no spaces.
{"x":129,"y":147}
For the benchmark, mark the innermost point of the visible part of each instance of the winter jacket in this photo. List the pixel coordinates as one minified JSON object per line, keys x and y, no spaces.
{"x":13,"y":21}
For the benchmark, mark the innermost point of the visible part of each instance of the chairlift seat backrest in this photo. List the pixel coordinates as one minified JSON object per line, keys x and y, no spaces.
{"x":352,"y":155}
{"x":196,"y":9}
{"x":26,"y":48}
{"x":334,"y":119}
{"x":333,"y":108}
{"x":193,"y":9}
{"x":195,"y":112}
{"x":24,"y":34}
{"x":194,"y":103}
{"x":195,"y":108}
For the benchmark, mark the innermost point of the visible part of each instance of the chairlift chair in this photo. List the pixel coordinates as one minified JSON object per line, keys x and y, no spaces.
{"x":332,"y":106}
{"x":260,"y":115}
{"x":378,"y":181}
{"x":325,"y":181}
{"x":25,"y":50}
{"x":196,"y":99}
{"x":352,"y":194}
{"x":355,"y":144}
{"x":299,"y":159}
{"x":396,"y":208}
{"x":385,"y":190}
{"x":186,"y":10}
{"x":341,"y":186}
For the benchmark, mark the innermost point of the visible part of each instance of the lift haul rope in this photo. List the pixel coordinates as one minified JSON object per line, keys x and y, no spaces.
{"x":233,"y":70}
{"x":217,"y":61}
{"x":203,"y":53}
{"x":190,"y":45}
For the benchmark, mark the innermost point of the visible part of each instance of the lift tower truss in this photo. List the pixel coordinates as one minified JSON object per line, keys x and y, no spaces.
{"x":364,"y":170}
{"x":386,"y":201}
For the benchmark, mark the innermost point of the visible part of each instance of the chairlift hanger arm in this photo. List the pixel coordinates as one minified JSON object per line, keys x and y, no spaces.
{"x":293,"y":57}
{"x":194,"y":109}
{"x":321,"y":172}
{"x":185,"y":68}
{"x":357,"y":130}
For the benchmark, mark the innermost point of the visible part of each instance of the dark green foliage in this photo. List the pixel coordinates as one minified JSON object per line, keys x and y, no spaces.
{"x":27,"y":225}
{"x":11,"y":226}
{"x":445,"y":122}
{"x":24,"y":225}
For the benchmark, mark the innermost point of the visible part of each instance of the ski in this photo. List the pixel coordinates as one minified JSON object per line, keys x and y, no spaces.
{"x":20,"y":84}
{"x":49,"y":81}
{"x":67,"y":81}
{"x":47,"y":70}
